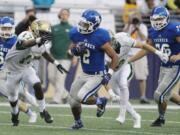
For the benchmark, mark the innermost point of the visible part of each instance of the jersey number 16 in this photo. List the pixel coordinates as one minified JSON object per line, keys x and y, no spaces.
{"x":164,"y":48}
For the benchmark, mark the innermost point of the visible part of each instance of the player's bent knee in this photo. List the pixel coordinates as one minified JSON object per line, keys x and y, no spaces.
{"x":80,"y":97}
{"x":157,"y":96}
{"x":73,"y":102}
{"x":12,"y":98}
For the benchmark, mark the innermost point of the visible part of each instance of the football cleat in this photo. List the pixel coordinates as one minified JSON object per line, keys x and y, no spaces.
{"x":77,"y":125}
{"x":137,"y":121}
{"x":158,"y":122}
{"x":33,"y":118}
{"x":101,"y":104}
{"x":14,"y":119}
{"x":46,"y":116}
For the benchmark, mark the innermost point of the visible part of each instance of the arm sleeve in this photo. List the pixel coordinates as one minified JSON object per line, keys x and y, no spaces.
{"x":125,"y":39}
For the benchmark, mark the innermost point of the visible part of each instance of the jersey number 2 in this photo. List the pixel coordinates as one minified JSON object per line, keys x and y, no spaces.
{"x":86,"y":57}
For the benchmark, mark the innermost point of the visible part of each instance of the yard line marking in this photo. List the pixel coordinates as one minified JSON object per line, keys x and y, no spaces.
{"x":87,"y":129}
{"x":136,"y":106}
{"x":93,"y":117}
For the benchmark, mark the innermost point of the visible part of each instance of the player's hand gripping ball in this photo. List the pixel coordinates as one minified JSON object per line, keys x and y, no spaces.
{"x":79,"y":49}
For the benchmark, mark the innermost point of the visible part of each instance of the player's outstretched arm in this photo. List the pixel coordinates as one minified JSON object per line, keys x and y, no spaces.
{"x":149,"y":48}
{"x":138,"y":55}
{"x":55,"y":62}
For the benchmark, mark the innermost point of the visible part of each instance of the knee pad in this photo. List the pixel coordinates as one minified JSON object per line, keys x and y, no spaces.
{"x":80,"y":96}
{"x":12,"y":98}
{"x":73,"y":102}
{"x":157,"y":96}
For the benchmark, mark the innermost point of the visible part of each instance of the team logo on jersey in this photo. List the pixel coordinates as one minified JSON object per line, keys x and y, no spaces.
{"x":159,"y":35}
{"x":87,"y":44}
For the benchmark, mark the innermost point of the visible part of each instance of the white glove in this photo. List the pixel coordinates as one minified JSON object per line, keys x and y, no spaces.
{"x":163,"y":56}
{"x":113,"y":96}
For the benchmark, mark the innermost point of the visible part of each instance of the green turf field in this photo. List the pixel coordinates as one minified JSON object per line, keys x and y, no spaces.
{"x":93,"y":126}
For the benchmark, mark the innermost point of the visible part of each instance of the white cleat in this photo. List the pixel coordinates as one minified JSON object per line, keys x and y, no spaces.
{"x":120,"y":119}
{"x":137,"y":121}
{"x":33,"y":118}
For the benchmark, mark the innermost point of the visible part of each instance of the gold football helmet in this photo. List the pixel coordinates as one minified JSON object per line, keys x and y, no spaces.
{"x":40,"y":27}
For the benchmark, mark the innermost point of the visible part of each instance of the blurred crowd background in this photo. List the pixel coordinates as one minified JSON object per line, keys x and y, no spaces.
{"x":131,"y":16}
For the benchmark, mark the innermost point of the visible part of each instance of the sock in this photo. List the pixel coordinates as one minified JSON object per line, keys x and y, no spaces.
{"x":42,"y":104}
{"x":131,"y":110}
{"x":161,"y":112}
{"x":122,"y":112}
{"x":15,"y":109}
{"x":29,"y":112}
{"x":98,"y":101}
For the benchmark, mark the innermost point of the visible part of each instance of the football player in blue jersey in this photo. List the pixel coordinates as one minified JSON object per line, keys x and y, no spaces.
{"x":90,"y":43}
{"x":7,"y":40}
{"x":165,"y":36}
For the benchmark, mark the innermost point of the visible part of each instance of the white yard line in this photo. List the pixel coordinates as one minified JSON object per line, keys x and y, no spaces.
{"x":136,"y":106}
{"x":93,"y":117}
{"x":135,"y":131}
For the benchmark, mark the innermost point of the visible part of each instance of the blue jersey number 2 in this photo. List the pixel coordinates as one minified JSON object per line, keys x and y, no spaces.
{"x":86,"y":57}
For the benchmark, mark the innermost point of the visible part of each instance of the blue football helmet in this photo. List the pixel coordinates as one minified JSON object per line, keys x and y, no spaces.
{"x":90,"y":21}
{"x":159,"y":18}
{"x":6,"y":27}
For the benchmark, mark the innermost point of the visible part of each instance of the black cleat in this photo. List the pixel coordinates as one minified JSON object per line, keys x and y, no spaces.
{"x":14,"y":119}
{"x":158,"y":122}
{"x":46,"y":116}
{"x":77,"y":125}
{"x":101,"y":106}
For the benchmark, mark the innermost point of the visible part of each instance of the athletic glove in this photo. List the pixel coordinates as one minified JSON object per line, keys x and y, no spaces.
{"x":106,"y":79}
{"x":61,"y":69}
{"x":163,"y":56}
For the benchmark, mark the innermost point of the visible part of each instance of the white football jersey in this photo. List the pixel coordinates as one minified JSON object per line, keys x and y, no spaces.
{"x":19,"y":58}
{"x":126,"y":43}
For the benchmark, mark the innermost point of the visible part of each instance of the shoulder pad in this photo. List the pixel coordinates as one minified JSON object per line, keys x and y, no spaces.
{"x":124,"y":39}
{"x":25,"y":35}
